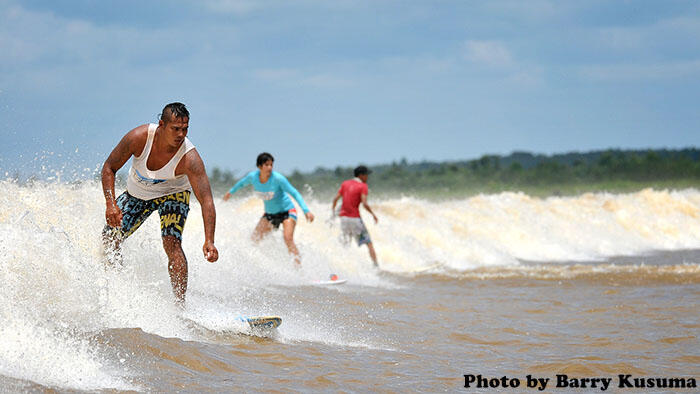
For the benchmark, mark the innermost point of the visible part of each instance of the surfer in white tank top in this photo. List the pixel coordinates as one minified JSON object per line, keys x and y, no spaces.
{"x":148,"y":184}
{"x":165,"y":168}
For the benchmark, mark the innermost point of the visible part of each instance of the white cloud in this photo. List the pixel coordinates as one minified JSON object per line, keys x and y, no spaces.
{"x":429,"y":63}
{"x":299,"y":77}
{"x":242,"y":7}
{"x":491,"y":53}
{"x":617,"y":38}
{"x":43,"y":41}
{"x":627,"y":72}
{"x":21,"y":35}
{"x":644,"y":38}
{"x":530,"y":77}
{"x":683,"y":24}
{"x":234,"y":6}
{"x":39,"y":37}
{"x":531,"y":10}
{"x":275,"y":74}
{"x":326,"y":81}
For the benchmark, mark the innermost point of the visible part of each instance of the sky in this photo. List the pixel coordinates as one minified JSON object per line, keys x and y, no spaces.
{"x":326,"y":83}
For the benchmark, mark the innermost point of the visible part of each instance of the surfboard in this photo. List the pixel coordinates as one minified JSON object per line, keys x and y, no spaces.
{"x":424,"y":269}
{"x":332,"y":280}
{"x":263,"y":322}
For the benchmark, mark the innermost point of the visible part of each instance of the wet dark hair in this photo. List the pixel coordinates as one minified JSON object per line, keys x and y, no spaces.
{"x":263,"y":158}
{"x":362,"y":170}
{"x":174,"y":110}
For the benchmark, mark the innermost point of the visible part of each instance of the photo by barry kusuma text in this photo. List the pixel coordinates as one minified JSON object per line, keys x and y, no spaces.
{"x":561,"y":381}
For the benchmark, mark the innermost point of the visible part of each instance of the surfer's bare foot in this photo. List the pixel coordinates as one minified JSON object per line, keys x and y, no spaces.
{"x":112,"y":260}
{"x":297,"y":260}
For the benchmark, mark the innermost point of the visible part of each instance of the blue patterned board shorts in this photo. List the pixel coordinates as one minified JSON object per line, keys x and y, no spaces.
{"x":173,"y":210}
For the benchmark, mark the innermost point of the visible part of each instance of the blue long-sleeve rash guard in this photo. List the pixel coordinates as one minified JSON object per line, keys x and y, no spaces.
{"x":273,"y":192}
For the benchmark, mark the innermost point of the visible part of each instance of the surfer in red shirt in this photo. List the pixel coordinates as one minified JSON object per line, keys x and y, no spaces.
{"x":354,"y":192}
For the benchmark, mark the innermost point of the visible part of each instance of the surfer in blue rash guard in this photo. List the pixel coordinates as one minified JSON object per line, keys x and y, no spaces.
{"x":272,"y":187}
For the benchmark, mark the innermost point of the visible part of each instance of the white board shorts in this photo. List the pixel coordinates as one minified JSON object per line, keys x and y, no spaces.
{"x":354,"y":228}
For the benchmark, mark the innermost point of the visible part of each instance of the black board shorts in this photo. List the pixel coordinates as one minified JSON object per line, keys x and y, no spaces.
{"x":277,"y":218}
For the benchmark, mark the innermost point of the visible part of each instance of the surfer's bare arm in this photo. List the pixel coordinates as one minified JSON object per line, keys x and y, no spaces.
{"x":199,"y":181}
{"x":120,"y":154}
{"x":364,"y":204}
{"x":335,"y":202}
{"x":288,"y":188}
{"x":245,"y":181}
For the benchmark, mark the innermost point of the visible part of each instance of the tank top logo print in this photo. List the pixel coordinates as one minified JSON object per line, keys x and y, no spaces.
{"x":146,"y":181}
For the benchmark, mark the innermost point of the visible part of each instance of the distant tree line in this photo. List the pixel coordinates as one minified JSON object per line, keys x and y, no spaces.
{"x":614,"y":170}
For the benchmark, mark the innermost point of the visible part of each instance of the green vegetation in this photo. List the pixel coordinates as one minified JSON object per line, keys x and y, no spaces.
{"x":539,"y":175}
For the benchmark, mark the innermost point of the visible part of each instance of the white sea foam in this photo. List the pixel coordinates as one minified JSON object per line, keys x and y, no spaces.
{"x":55,"y":358}
{"x":56,"y":292}
{"x":501,"y":229}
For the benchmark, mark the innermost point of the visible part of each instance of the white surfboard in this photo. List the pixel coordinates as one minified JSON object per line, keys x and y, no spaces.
{"x":262,"y":322}
{"x":332,"y":280}
{"x":258,"y":325}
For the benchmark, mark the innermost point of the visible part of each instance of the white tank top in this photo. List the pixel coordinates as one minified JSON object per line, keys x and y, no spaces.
{"x":146,"y":184}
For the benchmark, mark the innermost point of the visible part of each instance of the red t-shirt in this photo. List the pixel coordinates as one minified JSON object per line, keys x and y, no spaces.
{"x":352,"y":191}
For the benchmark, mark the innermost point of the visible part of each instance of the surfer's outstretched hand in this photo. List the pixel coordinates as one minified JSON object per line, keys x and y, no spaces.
{"x":113,"y":215}
{"x":210,"y":252}
{"x":309,"y":217}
